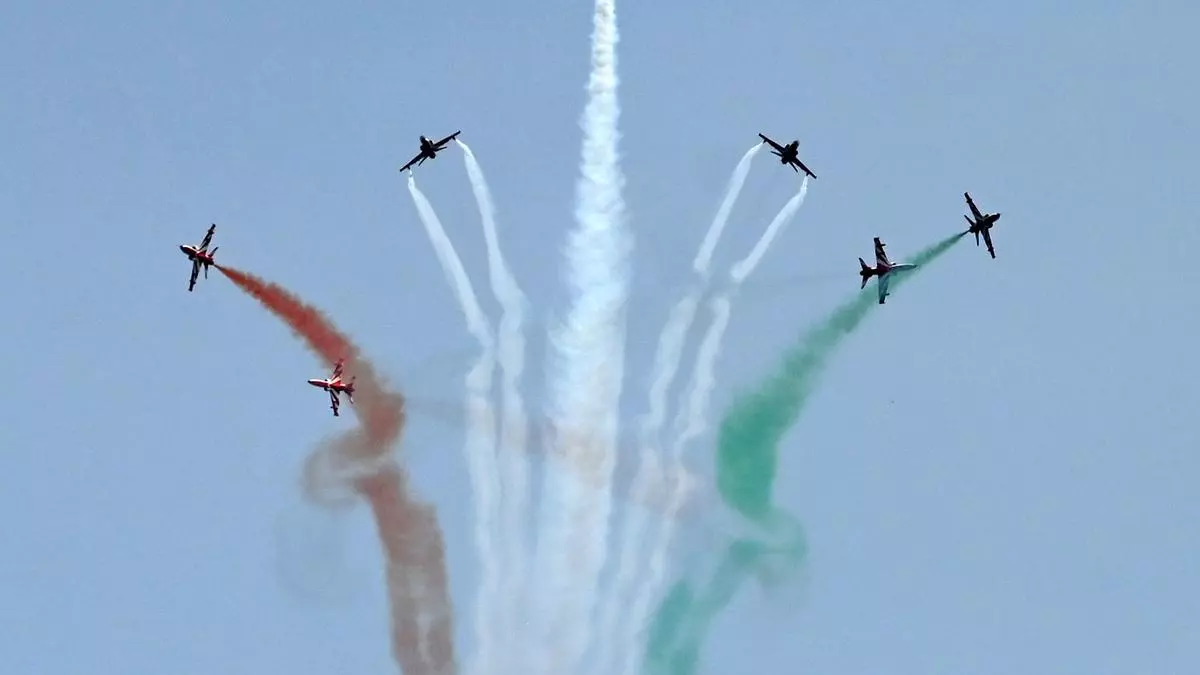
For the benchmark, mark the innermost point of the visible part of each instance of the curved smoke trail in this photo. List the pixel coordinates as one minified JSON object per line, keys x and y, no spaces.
{"x":747,"y":460}
{"x":650,"y":470}
{"x":700,"y":388}
{"x":481,"y":424}
{"x":743,"y":269}
{"x":704,"y":255}
{"x":514,"y":428}
{"x":413,"y":550}
{"x":590,"y":350}
{"x":690,"y":420}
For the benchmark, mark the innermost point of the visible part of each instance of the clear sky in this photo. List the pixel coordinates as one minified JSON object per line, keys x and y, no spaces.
{"x":998,"y":473}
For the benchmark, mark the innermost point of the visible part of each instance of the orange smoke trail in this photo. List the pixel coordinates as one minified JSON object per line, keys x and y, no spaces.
{"x":413,"y":549}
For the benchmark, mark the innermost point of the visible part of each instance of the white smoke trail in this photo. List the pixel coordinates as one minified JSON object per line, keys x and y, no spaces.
{"x":740,"y":271}
{"x":650,"y":469}
{"x":704,"y":256}
{"x":514,"y":432}
{"x":481,"y":422}
{"x":690,"y":421}
{"x":590,"y":353}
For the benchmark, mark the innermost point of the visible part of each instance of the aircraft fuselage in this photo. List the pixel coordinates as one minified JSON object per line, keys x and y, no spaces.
{"x":336,"y":386}
{"x":985,"y":223}
{"x":195,"y":254}
{"x":428,"y":148}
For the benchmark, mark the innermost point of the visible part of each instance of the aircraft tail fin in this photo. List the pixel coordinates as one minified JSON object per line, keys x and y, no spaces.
{"x":207,"y":264}
{"x":865,"y":272}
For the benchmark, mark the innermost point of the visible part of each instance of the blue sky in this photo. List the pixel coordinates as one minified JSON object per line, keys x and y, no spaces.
{"x":998,"y":473}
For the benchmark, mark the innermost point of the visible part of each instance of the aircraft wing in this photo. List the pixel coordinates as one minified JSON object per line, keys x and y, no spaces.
{"x":337,"y":370}
{"x":883,"y":287}
{"x":195,"y":273}
{"x":880,"y":256}
{"x":987,"y":239}
{"x":411,"y":162}
{"x":974,"y":209}
{"x":333,"y":402}
{"x":208,"y":237}
{"x":771,"y":143}
{"x":446,"y":140}
{"x":803,"y":168}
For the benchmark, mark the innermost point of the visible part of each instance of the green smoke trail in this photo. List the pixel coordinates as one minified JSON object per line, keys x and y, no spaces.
{"x":747,"y":444}
{"x":747,"y":460}
{"x":677,"y":631}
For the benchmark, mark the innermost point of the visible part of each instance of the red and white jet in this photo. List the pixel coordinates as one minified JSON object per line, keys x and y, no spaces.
{"x":334,"y":385}
{"x":883,"y":269}
{"x":200,"y":256}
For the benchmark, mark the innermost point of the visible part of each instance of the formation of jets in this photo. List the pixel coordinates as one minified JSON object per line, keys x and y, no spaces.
{"x":980,"y":224}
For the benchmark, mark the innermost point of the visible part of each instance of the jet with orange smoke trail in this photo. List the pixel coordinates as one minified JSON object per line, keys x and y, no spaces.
{"x":200,"y":255}
{"x":334,"y":385}
{"x":414,"y":553}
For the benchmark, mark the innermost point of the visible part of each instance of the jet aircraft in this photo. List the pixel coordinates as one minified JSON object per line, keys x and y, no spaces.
{"x":982,"y":224}
{"x":429,"y":150}
{"x":200,"y":256}
{"x":883,"y":269}
{"x":787,"y":154}
{"x":334,"y":385}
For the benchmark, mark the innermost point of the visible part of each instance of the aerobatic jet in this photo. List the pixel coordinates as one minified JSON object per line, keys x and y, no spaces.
{"x":788,"y":154}
{"x":334,"y":385}
{"x":883,"y":269}
{"x":982,"y":224}
{"x":200,"y":256}
{"x":429,"y":150}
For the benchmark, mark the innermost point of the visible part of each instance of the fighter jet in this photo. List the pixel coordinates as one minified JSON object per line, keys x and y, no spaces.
{"x":787,"y":154}
{"x":883,"y":269}
{"x":334,"y":386}
{"x":982,"y":223}
{"x":429,"y":150}
{"x":200,"y":256}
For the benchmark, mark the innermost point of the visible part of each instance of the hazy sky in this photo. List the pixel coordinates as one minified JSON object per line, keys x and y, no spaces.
{"x":998,"y":473}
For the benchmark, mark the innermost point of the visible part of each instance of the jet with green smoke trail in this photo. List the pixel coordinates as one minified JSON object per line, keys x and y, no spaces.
{"x":747,"y":460}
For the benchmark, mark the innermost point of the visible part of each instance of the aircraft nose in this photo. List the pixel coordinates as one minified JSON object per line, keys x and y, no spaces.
{"x":183,"y":248}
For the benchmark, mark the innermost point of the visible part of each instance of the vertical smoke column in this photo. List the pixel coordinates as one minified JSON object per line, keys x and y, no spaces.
{"x":642,"y":585}
{"x":590,"y":350}
{"x":691,"y":420}
{"x":480,"y":445}
{"x":514,"y":433}
{"x":413,"y":549}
